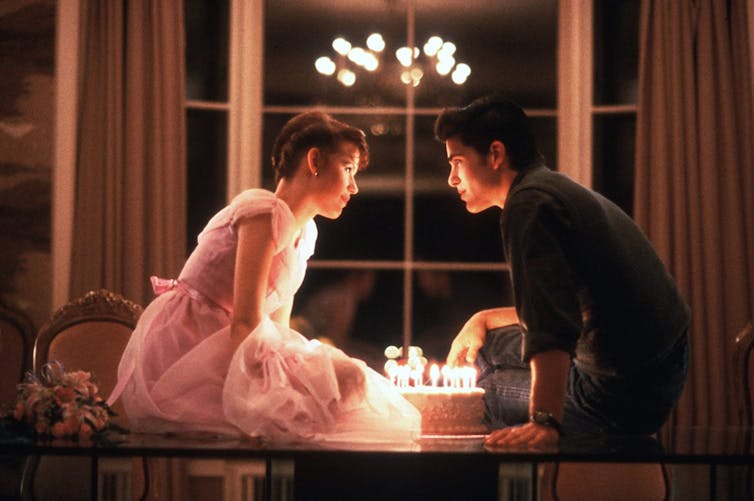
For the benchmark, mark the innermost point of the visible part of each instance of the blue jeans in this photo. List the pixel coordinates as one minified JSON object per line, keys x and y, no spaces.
{"x":638,"y":403}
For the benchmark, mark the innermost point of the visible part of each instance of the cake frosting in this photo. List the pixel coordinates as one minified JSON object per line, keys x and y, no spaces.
{"x":448,"y":411}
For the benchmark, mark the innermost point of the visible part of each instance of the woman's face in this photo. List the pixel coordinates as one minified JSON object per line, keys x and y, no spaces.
{"x":336,"y":180}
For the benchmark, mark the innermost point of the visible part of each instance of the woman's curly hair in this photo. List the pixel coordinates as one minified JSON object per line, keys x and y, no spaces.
{"x":313,"y":129}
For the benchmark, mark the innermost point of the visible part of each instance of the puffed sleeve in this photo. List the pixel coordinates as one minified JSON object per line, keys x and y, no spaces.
{"x":255,"y":202}
{"x":534,"y":229}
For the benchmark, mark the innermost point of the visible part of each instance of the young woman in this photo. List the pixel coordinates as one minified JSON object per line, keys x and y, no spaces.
{"x":214,"y":352}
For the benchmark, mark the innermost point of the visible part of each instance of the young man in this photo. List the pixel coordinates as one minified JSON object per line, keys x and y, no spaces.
{"x":597,"y":340}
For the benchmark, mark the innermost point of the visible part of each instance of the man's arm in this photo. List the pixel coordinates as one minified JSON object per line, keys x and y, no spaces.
{"x":548,"y":387}
{"x":470,"y":339}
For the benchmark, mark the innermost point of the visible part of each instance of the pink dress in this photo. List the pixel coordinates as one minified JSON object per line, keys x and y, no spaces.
{"x":179,"y":372}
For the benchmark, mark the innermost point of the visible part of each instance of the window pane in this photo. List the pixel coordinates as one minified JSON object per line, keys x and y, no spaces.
{"x":290,"y":74}
{"x":206,"y":158}
{"x":206,"y":49}
{"x":614,"y":140}
{"x":444,"y":300}
{"x":359,"y":311}
{"x":616,"y":52}
{"x":443,"y":229}
{"x":372,"y":225}
{"x":546,"y":131}
{"x":509,"y":46}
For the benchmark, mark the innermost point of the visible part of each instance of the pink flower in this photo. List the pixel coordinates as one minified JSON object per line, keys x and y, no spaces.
{"x":85,"y":432}
{"x":63,"y":394}
{"x":72,"y":424}
{"x":18,"y":412}
{"x":59,"y":430}
{"x":99,"y":424}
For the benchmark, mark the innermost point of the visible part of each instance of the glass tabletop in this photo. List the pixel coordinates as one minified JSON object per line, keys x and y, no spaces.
{"x":709,"y":445}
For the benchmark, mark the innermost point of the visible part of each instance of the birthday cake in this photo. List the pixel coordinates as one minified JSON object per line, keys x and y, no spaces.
{"x":448,"y":411}
{"x":450,"y":404}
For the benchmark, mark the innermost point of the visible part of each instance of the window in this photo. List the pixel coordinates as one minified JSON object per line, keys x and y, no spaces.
{"x":405,"y":263}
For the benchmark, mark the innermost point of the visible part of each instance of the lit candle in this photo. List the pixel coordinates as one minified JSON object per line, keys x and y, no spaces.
{"x":434,"y":374}
{"x":445,"y":375}
{"x":472,"y":377}
{"x":404,"y":376}
{"x":391,"y":369}
{"x":419,"y":375}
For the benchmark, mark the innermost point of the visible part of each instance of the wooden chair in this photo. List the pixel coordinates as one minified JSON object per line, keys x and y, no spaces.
{"x":742,"y":373}
{"x":89,"y":333}
{"x":16,"y":344}
{"x":606,"y":482}
{"x":742,"y":380}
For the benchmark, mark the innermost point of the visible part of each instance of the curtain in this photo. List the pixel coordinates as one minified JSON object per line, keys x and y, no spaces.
{"x":129,"y":216}
{"x":694,"y":187}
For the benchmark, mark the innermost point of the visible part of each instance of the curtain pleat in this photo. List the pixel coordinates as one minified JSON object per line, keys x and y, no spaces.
{"x":131,"y":182}
{"x":693,"y":185}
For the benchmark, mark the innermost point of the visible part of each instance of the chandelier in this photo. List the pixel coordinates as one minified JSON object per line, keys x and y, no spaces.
{"x":438,"y":55}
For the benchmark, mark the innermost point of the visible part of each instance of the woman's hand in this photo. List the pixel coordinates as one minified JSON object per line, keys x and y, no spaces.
{"x":528,"y":436}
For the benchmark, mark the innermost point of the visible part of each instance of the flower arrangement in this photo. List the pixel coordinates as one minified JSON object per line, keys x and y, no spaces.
{"x":62,"y":404}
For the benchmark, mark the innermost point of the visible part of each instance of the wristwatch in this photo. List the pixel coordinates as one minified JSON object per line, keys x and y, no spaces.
{"x":545,"y":419}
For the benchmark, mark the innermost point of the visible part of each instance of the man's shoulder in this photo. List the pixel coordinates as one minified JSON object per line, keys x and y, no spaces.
{"x":539,"y":185}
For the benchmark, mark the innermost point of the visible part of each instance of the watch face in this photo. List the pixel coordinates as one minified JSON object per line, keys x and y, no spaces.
{"x":541,"y":417}
{"x":546,"y":419}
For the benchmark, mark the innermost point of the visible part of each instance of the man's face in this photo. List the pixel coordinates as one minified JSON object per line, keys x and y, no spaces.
{"x":472,"y":175}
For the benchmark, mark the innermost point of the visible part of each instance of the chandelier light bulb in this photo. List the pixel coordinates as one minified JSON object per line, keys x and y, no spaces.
{"x":463,"y":69}
{"x":444,"y":65}
{"x":447,"y":49}
{"x":357,"y":55}
{"x":458,"y":78}
{"x":432,"y":45}
{"x":404,"y":56}
{"x":375,"y":42}
{"x":416,"y":76}
{"x":346,"y":77}
{"x":341,"y":46}
{"x":371,"y":63}
{"x":325,"y":65}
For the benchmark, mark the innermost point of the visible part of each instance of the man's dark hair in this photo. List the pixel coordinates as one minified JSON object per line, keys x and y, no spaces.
{"x":492,"y":118}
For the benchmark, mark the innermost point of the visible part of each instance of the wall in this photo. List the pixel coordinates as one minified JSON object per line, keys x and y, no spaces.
{"x":27,"y":102}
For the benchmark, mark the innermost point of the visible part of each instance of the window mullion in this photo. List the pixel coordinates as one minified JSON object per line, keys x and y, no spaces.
{"x":245,"y":95}
{"x":575,"y":83}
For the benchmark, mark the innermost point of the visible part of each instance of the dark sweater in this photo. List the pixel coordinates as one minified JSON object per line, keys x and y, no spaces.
{"x":585,"y":278}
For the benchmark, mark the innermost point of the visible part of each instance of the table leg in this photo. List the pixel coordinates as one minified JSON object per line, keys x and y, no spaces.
{"x":95,"y":478}
{"x":268,"y":479}
{"x":534,"y":481}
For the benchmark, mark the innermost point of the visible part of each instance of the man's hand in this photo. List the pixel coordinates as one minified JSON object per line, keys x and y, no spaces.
{"x":526,"y":436}
{"x":467,"y":343}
